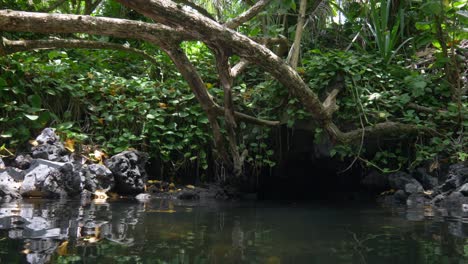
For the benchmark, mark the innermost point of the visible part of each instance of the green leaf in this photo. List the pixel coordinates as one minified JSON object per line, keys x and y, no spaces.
{"x":31,"y":117}
{"x":35,"y":100}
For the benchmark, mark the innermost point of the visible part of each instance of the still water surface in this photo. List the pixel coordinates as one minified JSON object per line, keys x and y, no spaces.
{"x":166,"y":231}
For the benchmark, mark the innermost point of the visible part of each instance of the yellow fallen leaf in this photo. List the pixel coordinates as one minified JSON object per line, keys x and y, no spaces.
{"x":162,"y":211}
{"x":190,"y":186}
{"x":62,"y":249}
{"x":91,"y":239}
{"x":162,"y":105}
{"x":98,"y":155}
{"x":70,"y":144}
{"x":33,"y":142}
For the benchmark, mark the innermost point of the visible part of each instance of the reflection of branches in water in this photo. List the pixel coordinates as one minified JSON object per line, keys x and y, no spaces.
{"x":360,"y":248}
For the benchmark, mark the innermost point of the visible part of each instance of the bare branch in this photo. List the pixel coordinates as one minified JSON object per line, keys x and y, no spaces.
{"x":377,"y":130}
{"x":59,"y":23}
{"x":12,"y":46}
{"x":330,"y":102}
{"x":272,"y":41}
{"x":224,"y":73}
{"x":247,"y":15}
{"x":293,"y":56}
{"x":253,"y":120}
{"x":425,"y":109}
{"x":239,"y":67}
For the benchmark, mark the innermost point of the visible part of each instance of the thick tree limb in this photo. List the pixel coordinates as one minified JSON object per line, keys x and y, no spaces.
{"x":330,"y":102}
{"x":247,"y":15}
{"x":59,"y":23}
{"x":197,"y":86}
{"x":272,"y":41}
{"x":199,"y":27}
{"x":377,"y":130}
{"x":200,"y":9}
{"x":12,"y":46}
{"x":224,"y":73}
{"x":239,"y":68}
{"x":204,"y":29}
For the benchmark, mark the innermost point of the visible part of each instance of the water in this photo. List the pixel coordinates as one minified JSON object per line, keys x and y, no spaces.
{"x":165,"y":231}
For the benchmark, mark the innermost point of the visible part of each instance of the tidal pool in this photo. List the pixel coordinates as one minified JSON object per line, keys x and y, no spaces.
{"x":168,"y":231}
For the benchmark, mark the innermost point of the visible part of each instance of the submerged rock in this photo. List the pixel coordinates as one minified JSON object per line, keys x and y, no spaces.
{"x":129,"y":172}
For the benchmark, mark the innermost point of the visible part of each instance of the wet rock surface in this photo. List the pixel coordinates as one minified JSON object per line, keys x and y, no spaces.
{"x":50,"y":170}
{"x":446,"y":192}
{"x":129,"y":172}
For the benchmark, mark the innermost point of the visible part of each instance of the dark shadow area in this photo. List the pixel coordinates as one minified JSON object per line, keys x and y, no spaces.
{"x":305,"y":171}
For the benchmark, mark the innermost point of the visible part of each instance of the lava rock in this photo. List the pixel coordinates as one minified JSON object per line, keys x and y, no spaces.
{"x":47,"y":136}
{"x":23,"y":162}
{"x":454,"y":201}
{"x":97,"y":177}
{"x":129,"y":172}
{"x":188,"y":195}
{"x":400,"y":197}
{"x":464,"y":189}
{"x":428,"y":181}
{"x":52,"y":152}
{"x":51,"y":179}
{"x":417,"y":200}
{"x":9,"y":187}
{"x":376,"y":180}
{"x":411,"y":188}
{"x":404,"y":181}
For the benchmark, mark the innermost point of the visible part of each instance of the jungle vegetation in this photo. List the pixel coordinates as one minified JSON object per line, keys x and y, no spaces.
{"x":201,"y":85}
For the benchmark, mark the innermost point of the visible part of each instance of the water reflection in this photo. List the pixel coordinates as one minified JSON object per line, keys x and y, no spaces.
{"x":167,"y":231}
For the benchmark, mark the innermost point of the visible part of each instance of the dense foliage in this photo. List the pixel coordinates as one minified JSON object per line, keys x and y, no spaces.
{"x":403,"y":63}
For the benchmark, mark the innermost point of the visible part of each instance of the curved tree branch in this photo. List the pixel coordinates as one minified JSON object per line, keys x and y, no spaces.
{"x":60,"y":23}
{"x":12,"y":46}
{"x":247,"y":15}
{"x":239,"y":67}
{"x":201,"y":28}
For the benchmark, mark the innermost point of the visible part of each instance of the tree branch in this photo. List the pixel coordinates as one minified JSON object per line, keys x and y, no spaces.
{"x":197,"y":86}
{"x":239,"y":68}
{"x":59,"y":23}
{"x":272,"y":41}
{"x":12,"y":46}
{"x":247,"y":15}
{"x":224,"y":73}
{"x":293,"y":56}
{"x":377,"y":130}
